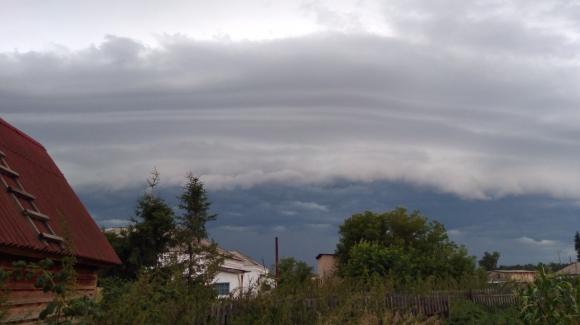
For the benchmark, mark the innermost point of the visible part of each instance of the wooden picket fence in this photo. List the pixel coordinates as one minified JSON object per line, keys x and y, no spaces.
{"x":438,"y":303}
{"x":431,"y":304}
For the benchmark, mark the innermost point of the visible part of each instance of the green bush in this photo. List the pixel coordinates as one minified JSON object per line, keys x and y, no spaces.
{"x":465,"y":312}
{"x":156,"y":297}
{"x":401,"y":243}
{"x":550,"y":300}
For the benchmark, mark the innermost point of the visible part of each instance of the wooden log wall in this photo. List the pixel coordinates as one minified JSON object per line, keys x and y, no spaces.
{"x":22,"y":302}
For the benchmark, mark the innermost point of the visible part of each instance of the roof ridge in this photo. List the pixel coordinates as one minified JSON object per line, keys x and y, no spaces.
{"x":248,"y":258}
{"x":21,"y":133}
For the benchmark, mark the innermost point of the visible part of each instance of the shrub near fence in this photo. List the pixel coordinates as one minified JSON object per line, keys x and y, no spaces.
{"x":433,"y":304}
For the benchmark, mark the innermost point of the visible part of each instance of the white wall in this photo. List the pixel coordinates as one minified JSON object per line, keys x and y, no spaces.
{"x":251,"y":278}
{"x":231,"y":278}
{"x":253,"y":274}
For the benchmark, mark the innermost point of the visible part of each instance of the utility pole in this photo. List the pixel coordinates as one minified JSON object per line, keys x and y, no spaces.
{"x":277,"y":262}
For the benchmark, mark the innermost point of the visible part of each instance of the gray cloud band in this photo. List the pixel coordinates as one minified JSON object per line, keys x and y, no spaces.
{"x":475,"y":120}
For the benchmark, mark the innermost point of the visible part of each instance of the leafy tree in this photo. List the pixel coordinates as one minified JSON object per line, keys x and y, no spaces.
{"x":293,"y":273}
{"x":577,"y":245}
{"x":367,"y":259}
{"x":406,"y":244}
{"x":489,"y":261}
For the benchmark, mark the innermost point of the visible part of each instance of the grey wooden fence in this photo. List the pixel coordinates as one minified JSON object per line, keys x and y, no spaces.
{"x":434,"y":303}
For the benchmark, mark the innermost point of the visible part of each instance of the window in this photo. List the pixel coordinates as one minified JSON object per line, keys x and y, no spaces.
{"x":222,"y":288}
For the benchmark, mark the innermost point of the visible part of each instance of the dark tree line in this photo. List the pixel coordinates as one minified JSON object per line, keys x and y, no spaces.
{"x":489,"y":261}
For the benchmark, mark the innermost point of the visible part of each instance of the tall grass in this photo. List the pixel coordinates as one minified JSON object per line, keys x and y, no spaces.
{"x":339,"y":301}
{"x":163,"y":299}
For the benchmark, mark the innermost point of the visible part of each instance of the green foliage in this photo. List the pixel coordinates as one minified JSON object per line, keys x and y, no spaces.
{"x":294,"y":273}
{"x":346,"y":301}
{"x":155,"y":297}
{"x":489,"y":261}
{"x":152,"y":232}
{"x":150,"y":235}
{"x":58,"y":279}
{"x":122,"y":246}
{"x":159,"y":235}
{"x":194,"y":204}
{"x":202,"y":259}
{"x":171,"y":264}
{"x":112,"y":290}
{"x":550,"y":300}
{"x":367,"y":259}
{"x":355,"y":301}
{"x":468,"y":313}
{"x":401,"y":244}
{"x":61,"y":283}
{"x":383,"y":253}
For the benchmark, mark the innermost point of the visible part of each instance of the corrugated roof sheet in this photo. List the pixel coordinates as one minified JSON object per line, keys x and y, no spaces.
{"x":41,"y":177}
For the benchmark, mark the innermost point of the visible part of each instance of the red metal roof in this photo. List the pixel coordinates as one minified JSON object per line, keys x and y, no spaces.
{"x":54,"y":197}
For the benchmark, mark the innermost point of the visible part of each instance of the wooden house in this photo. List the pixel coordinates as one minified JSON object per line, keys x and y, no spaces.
{"x":42,"y":217}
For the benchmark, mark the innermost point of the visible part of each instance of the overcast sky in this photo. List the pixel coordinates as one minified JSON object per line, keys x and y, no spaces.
{"x":471,"y":102}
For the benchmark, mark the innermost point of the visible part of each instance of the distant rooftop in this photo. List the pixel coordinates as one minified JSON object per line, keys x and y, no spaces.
{"x":571,"y":269}
{"x":324,"y":254}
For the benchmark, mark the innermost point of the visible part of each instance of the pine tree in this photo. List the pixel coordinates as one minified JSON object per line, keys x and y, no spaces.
{"x":202,"y":258}
{"x":195,"y":206}
{"x":151,"y":234}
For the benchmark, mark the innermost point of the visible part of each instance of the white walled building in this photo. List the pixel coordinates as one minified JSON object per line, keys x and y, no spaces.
{"x":239,"y":273}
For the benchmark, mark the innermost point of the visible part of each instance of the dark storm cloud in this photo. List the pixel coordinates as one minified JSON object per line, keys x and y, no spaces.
{"x":306,"y":219}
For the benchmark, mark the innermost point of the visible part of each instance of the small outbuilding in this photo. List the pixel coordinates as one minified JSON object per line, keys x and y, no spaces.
{"x":325,"y":265}
{"x":42,"y":217}
{"x":502,"y":276}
